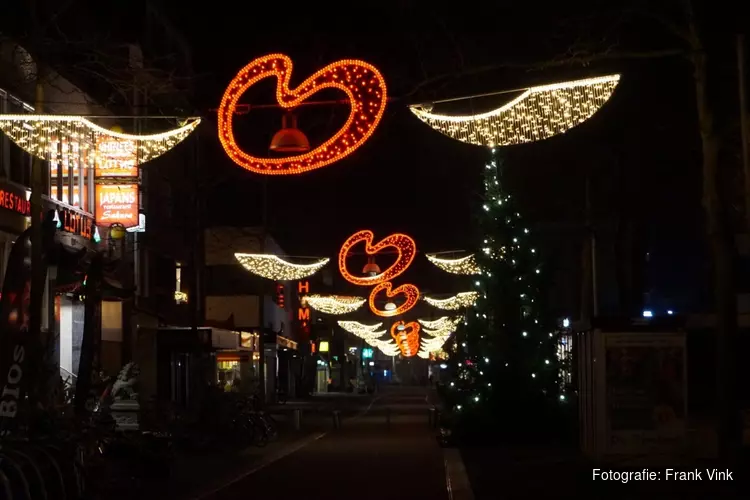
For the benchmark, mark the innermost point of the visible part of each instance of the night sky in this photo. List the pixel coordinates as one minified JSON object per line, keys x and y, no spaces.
{"x":641,"y":151}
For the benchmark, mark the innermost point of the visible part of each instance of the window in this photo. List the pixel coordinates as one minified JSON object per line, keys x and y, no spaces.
{"x":180,"y":297}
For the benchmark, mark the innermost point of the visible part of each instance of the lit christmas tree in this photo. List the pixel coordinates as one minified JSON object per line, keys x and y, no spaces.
{"x":503,"y":362}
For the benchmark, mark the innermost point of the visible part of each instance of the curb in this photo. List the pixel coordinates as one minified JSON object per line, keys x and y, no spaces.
{"x":456,"y":480}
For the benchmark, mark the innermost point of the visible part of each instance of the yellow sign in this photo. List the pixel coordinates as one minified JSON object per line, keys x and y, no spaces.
{"x":323,"y":346}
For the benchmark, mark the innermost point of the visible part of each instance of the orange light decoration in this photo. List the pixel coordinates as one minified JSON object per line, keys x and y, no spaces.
{"x":360,"y":81}
{"x":406,"y":336}
{"x":403,"y":244}
{"x":410,"y":292}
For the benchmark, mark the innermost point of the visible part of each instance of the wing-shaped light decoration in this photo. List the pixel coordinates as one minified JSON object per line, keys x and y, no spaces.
{"x":334,"y":304}
{"x":423,"y":354}
{"x":389,"y":348}
{"x":444,"y":323}
{"x":71,"y":139}
{"x":434,"y":343}
{"x":275,"y":268}
{"x":537,"y":114}
{"x":362,"y":331}
{"x":464,"y":265}
{"x":458,"y":301}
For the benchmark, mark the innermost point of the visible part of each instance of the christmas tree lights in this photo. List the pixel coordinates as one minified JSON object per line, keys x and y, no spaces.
{"x":408,"y":291}
{"x":74,"y":140}
{"x":503,"y":354}
{"x":362,"y":83}
{"x":334,"y":304}
{"x":275,"y":268}
{"x":404,"y":246}
{"x":537,"y":114}
{"x":465,"y":265}
{"x":461,"y":300}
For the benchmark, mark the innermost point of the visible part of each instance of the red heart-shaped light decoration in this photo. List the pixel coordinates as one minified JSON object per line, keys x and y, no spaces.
{"x":361,"y":82}
{"x":411,"y":293}
{"x":407,"y":338}
{"x":403,"y":244}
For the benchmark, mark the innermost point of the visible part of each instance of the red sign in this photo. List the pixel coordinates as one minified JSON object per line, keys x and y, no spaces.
{"x":117,"y":203}
{"x":280,"y":298}
{"x":303,"y":312}
{"x":15,"y":200}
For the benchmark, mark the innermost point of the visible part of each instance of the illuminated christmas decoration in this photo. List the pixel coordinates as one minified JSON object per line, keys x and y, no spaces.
{"x":274,"y":268}
{"x":360,"y":81}
{"x":423,"y":355}
{"x":334,"y":304}
{"x":406,"y":336}
{"x":403,"y":244}
{"x":410,"y":293}
{"x":362,"y":331}
{"x":71,"y":140}
{"x":537,"y":114}
{"x":389,"y":348}
{"x":444,"y":323}
{"x":458,"y":301}
{"x":465,"y":265}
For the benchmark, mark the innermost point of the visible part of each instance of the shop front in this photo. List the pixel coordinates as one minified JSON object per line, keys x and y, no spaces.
{"x":237,"y":360}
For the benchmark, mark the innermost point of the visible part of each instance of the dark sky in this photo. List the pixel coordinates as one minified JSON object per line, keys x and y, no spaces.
{"x":408,"y":177}
{"x":641,"y":151}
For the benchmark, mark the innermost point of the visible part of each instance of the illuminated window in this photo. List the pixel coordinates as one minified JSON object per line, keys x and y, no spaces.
{"x":180,"y":297}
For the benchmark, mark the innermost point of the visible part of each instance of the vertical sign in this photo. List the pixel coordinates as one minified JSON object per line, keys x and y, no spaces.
{"x":303,"y":312}
{"x":280,"y":297}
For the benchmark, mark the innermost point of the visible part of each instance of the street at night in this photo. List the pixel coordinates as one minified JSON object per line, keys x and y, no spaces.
{"x":398,"y":250}
{"x":379,"y":451}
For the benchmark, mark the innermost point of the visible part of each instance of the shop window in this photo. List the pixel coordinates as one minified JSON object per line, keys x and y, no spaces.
{"x":180,"y":297}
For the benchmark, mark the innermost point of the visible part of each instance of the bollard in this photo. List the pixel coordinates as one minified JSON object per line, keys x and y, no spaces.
{"x":297,"y":419}
{"x":336,"y":419}
{"x":431,"y":420}
{"x":387,"y":416}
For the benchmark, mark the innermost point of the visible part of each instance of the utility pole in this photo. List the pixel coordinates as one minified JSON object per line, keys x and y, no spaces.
{"x":743,"y":122}
{"x":262,"y":296}
{"x":38,"y":269}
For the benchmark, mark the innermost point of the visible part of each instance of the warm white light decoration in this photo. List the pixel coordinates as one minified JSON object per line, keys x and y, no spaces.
{"x":537,"y":114}
{"x":465,"y":265}
{"x":389,"y":347}
{"x":70,"y":139}
{"x":334,"y":304}
{"x":423,"y":354}
{"x":459,"y":301}
{"x":444,"y":323}
{"x":362,"y":331}
{"x":275,"y":268}
{"x":435,"y":343}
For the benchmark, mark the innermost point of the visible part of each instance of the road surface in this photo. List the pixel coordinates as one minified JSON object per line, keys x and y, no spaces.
{"x":388,"y":451}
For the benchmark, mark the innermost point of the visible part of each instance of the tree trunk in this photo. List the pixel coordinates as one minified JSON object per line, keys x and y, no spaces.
{"x":720,"y":240}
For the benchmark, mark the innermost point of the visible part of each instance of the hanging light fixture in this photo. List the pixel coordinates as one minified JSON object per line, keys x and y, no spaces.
{"x":289,"y":139}
{"x":371,"y":268}
{"x":390,"y":306}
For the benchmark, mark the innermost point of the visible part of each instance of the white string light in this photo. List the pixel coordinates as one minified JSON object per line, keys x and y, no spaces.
{"x":444,"y":323}
{"x":72,"y":139}
{"x":537,"y":114}
{"x":458,"y":301}
{"x":334,"y":304}
{"x":275,"y":268}
{"x":363,"y":331}
{"x":465,"y":265}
